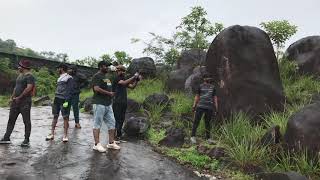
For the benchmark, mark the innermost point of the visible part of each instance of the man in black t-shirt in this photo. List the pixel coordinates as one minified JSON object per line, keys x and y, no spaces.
{"x":120,"y":85}
{"x":102,"y":106}
{"x":21,"y":102}
{"x":205,"y":103}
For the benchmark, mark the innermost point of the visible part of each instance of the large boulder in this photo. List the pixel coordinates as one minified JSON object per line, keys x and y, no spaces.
{"x":136,"y":126}
{"x":242,"y":60}
{"x":194,"y":80}
{"x":306,"y":52}
{"x":189,"y":59}
{"x":176,"y":79}
{"x":42,"y":101}
{"x":144,"y":65}
{"x":133,"y":106}
{"x":155,"y":99}
{"x":282,"y":176}
{"x":174,"y":138}
{"x":303,"y":129}
{"x":272,"y":136}
{"x":87,"y":105}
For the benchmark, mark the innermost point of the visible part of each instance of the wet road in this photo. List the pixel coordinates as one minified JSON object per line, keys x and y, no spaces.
{"x":76,"y":159}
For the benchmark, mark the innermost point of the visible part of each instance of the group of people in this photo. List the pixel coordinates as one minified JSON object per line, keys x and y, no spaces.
{"x":109,"y":102}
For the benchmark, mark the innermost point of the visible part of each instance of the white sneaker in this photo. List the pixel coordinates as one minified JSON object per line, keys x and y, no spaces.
{"x":99,"y":148}
{"x":113,"y":146}
{"x":65,"y":139}
{"x":193,"y":140}
{"x":49,"y":137}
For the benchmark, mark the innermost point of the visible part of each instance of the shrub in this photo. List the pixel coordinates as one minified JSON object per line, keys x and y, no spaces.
{"x":45,"y":81}
{"x":145,"y":88}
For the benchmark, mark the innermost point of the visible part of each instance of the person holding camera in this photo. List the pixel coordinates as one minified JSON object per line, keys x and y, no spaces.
{"x":120,"y":85}
{"x":205,"y":103}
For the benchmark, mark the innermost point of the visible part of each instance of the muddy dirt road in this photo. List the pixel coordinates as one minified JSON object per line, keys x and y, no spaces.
{"x":76,"y":159}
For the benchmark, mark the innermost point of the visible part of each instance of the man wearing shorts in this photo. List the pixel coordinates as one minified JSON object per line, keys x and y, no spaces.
{"x":62,"y":101}
{"x":102,"y":106}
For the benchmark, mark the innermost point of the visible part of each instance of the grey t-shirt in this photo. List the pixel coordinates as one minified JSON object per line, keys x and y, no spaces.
{"x":21,"y":84}
{"x":206,"y":93}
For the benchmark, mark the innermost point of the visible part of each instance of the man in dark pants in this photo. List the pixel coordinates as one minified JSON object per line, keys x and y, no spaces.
{"x":205,"y":103}
{"x":21,"y":102}
{"x":79,"y":82}
{"x":62,"y":101}
{"x":119,"y":86}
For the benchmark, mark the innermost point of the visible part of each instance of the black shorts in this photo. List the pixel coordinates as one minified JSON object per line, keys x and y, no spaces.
{"x":58,"y":106}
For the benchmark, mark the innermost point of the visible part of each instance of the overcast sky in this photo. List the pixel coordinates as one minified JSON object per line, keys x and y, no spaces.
{"x":92,"y":27}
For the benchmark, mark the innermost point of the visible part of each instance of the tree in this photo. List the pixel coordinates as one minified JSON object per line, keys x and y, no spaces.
{"x":122,"y":57}
{"x":106,"y":57}
{"x":88,"y":61}
{"x":195,"y":29}
{"x":279,"y":32}
{"x":193,"y":32}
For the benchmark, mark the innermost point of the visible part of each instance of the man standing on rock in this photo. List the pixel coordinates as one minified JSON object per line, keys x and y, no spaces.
{"x":62,"y":101}
{"x":21,"y":102}
{"x":120,"y":85}
{"x":102,"y":106}
{"x":205,"y":103}
{"x":79,"y":82}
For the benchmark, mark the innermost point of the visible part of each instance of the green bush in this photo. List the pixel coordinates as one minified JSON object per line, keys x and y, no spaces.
{"x":4,"y":67}
{"x":241,"y":137}
{"x":297,"y":88}
{"x":298,"y":161}
{"x":155,"y":136}
{"x":145,"y":88}
{"x":182,"y":103}
{"x":45,"y":81}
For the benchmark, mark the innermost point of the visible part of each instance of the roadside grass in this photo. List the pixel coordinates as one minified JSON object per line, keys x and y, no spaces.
{"x":145,"y":88}
{"x":298,"y":161}
{"x":182,"y":103}
{"x":154,"y":136}
{"x":4,"y":101}
{"x":86,"y":93}
{"x":156,"y":112}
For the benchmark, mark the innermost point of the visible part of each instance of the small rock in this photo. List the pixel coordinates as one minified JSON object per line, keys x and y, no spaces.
{"x":283,"y":176}
{"x":174,"y":138}
{"x":272,"y":136}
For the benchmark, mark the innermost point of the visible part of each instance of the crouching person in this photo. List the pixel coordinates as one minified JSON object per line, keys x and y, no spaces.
{"x":205,"y":104}
{"x":102,"y":107}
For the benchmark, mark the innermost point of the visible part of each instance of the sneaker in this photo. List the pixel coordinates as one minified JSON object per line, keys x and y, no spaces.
{"x":77,"y":126}
{"x":5,"y":141}
{"x":49,"y":137}
{"x":113,"y":146}
{"x":65,"y":139}
{"x":99,"y":148}
{"x":193,"y":140}
{"x":25,"y":143}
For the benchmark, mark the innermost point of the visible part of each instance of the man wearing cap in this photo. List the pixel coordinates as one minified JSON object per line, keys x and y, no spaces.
{"x":21,"y":102}
{"x":205,"y":103}
{"x":62,"y":101}
{"x":79,"y":82}
{"x":120,"y":85}
{"x":102,"y":106}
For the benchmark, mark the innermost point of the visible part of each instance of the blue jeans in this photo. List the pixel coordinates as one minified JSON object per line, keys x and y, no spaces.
{"x":75,"y":107}
{"x":105,"y":114}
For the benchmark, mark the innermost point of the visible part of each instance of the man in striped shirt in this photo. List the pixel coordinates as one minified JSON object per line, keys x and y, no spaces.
{"x":205,"y":103}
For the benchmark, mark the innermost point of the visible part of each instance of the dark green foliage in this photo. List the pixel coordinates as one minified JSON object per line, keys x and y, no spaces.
{"x":45,"y":81}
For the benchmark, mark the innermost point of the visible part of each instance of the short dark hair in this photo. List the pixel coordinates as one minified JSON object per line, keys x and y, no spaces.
{"x":103,"y":63}
{"x":63,"y":66}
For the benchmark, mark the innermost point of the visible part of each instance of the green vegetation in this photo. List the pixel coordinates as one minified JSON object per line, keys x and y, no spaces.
{"x":45,"y":81}
{"x":279,"y":32}
{"x":193,"y":32}
{"x":239,"y":135}
{"x":146,"y":88}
